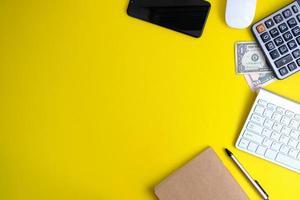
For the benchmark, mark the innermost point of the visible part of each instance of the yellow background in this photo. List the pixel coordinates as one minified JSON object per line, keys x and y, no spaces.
{"x":96,"y":105}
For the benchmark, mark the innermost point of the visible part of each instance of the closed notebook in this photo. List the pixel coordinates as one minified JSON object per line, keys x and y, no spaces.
{"x":203,"y":178}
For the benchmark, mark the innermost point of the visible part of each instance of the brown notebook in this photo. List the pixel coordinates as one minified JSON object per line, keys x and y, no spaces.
{"x":203,"y":178}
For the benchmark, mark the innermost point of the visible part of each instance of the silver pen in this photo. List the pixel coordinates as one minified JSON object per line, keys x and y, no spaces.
{"x":255,"y":183}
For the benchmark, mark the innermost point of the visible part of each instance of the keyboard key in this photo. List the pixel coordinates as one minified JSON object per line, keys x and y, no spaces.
{"x":265,"y":37}
{"x":295,"y":164}
{"x":297,"y":117}
{"x":262,"y":102}
{"x":292,"y":22}
{"x":274,"y":32}
{"x":277,"y":127}
{"x":260,"y":28}
{"x":275,"y":54}
{"x":275,"y":136}
{"x":259,"y":110}
{"x":257,"y":119}
{"x":285,"y":120}
{"x":243,"y":143}
{"x":269,"y":123}
{"x":296,"y":31}
{"x":271,"y":154}
{"x":293,"y":153}
{"x":292,"y":66}
{"x":295,"y":134}
{"x":286,"y":130}
{"x":266,"y":132}
{"x":268,"y":113}
{"x":295,"y":9}
{"x":279,"y":41}
{"x":298,"y":147}
{"x":275,"y":146}
{"x":287,"y":36}
{"x":291,"y":44}
{"x":284,"y":139}
{"x":289,"y":113}
{"x":287,"y":13}
{"x":269,"y":23}
{"x":295,"y":124}
{"x":296,"y":53}
{"x":271,"y":107}
{"x":253,"y":137}
{"x":284,"y":60}
{"x":284,"y":149}
{"x":283,"y":71}
{"x":254,"y":128}
{"x":261,"y":150}
{"x":280,"y":110}
{"x":270,"y":46}
{"x":267,"y":142}
{"x":283,"y":49}
{"x":277,"y":117}
{"x":252,"y":147}
{"x":283,"y":27}
{"x":278,"y":18}
{"x":293,"y":143}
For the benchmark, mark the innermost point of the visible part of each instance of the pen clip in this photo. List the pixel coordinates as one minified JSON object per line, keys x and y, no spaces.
{"x":261,"y":188}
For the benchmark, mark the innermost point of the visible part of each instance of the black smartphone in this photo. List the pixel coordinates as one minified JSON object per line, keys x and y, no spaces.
{"x":185,"y":16}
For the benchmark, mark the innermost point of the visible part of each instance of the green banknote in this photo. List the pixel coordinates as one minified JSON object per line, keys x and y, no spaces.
{"x":249,"y":58}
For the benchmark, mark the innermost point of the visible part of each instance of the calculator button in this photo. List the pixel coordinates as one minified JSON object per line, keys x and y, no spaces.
{"x":269,"y":23}
{"x":274,"y":32}
{"x":260,"y":28}
{"x":283,"y":71}
{"x":295,"y":9}
{"x":283,"y":27}
{"x":287,"y":13}
{"x":296,"y":31}
{"x":298,"y":62}
{"x":292,"y":66}
{"x":270,"y":46}
{"x":283,"y":61}
{"x":278,"y":18}
{"x":298,"y":40}
{"x":292,"y":44}
{"x":292,"y":22}
{"x":278,"y":41}
{"x":296,"y":53}
{"x":283,"y":49}
{"x":265,"y":37}
{"x":275,"y":54}
{"x":287,"y":36}
{"x":298,"y":17}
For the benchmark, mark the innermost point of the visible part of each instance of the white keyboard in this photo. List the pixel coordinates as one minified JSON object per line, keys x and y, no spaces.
{"x":272,"y":130}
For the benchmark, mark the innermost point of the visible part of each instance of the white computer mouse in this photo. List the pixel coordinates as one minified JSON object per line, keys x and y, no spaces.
{"x":240,"y":13}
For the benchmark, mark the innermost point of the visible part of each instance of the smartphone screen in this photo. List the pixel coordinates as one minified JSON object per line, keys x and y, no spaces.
{"x":185,"y":16}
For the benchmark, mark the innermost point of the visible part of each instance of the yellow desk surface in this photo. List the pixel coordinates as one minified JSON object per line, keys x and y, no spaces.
{"x":96,"y":105}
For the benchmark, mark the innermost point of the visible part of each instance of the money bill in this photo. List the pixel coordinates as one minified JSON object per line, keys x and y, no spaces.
{"x":249,"y":58}
{"x":259,"y":80}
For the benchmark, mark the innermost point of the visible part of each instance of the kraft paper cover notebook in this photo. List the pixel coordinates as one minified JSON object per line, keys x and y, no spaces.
{"x":203,"y":178}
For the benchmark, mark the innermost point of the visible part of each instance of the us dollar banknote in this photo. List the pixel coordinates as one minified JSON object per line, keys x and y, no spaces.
{"x":259,"y":80}
{"x":249,"y":58}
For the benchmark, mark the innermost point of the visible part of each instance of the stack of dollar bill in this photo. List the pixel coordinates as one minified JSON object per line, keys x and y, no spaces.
{"x":251,"y":63}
